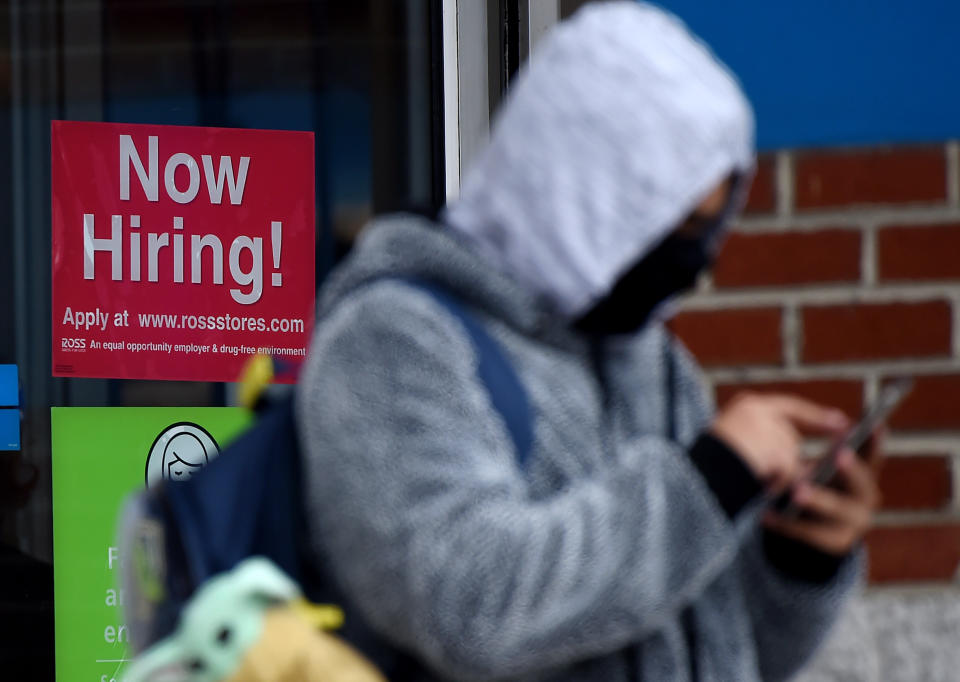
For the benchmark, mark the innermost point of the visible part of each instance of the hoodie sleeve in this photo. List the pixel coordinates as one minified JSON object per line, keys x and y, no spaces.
{"x":794,"y":593}
{"x":791,"y":615}
{"x":418,"y":501}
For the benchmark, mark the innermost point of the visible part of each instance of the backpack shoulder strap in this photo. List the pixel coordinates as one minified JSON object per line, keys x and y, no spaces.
{"x":500,"y":379}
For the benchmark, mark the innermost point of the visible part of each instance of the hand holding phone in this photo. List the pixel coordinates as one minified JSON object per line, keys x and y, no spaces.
{"x":766,"y":431}
{"x":856,"y":438}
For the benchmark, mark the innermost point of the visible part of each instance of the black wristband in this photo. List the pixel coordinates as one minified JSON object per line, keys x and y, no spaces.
{"x":731,"y":481}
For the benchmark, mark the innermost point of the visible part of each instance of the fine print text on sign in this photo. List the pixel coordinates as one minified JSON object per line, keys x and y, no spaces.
{"x":179,"y":252}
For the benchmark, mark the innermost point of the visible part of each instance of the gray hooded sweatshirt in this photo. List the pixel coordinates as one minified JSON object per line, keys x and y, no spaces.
{"x":606,"y":557}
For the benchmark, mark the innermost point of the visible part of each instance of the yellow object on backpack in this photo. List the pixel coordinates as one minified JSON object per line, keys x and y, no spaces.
{"x":252,"y":625}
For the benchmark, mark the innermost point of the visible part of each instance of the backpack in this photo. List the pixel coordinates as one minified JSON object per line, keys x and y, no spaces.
{"x":249,"y":502}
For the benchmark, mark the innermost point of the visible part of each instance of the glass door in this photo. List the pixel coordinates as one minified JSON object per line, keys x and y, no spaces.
{"x":366,"y":77}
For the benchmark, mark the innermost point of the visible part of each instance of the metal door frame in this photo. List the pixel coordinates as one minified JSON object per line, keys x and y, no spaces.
{"x":470,"y":47}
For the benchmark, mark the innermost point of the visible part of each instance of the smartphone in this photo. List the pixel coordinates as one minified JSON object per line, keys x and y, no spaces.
{"x":824,"y":471}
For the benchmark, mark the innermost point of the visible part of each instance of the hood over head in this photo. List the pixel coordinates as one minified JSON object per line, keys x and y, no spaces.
{"x":619,"y":127}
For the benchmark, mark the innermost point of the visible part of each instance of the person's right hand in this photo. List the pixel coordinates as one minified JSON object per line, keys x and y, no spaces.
{"x":767,"y":432}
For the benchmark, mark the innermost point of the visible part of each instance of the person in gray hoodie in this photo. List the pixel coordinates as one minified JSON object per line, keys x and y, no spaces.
{"x":633,"y":543}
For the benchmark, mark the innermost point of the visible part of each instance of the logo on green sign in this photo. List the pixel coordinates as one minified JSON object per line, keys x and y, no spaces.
{"x":181,"y":450}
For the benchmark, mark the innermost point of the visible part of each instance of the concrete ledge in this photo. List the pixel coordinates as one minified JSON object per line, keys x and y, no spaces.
{"x":894,"y":635}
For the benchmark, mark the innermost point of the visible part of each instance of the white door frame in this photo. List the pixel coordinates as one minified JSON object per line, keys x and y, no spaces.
{"x":466,"y":98}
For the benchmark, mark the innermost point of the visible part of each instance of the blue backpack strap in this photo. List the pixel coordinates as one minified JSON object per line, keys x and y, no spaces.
{"x":506,"y":391}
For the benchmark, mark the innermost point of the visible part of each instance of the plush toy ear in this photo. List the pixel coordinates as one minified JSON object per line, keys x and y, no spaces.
{"x":260,"y":578}
{"x":161,"y":663}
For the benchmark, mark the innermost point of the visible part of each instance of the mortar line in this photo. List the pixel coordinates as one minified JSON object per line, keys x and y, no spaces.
{"x":953,"y":173}
{"x":906,"y":447}
{"x":955,"y":476}
{"x":784,"y":183}
{"x":955,"y":323}
{"x":912,"y":589}
{"x":905,"y":519}
{"x":910,"y":446}
{"x":868,"y":255}
{"x":848,"y":218}
{"x":704,"y":284}
{"x":871,"y":387}
{"x":845,"y":293}
{"x":857,"y":371}
{"x":790,"y":332}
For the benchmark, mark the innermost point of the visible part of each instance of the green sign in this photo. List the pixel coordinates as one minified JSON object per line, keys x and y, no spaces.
{"x":100,"y":456}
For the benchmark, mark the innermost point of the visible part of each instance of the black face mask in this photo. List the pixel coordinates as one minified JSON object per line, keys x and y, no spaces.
{"x":670,"y":268}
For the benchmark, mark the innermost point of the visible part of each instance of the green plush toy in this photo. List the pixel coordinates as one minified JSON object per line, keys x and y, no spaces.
{"x":252,"y":625}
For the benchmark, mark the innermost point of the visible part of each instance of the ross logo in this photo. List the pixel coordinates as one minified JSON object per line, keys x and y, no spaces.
{"x":180,"y":451}
{"x":73,"y":345}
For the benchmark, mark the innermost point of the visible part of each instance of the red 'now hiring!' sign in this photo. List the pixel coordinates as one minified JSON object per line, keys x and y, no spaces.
{"x":179,"y":252}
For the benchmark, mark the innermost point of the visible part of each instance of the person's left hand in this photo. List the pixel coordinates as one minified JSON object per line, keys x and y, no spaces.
{"x":836,"y":518}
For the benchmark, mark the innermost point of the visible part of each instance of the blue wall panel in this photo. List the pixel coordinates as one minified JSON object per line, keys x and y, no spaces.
{"x":828,"y":72}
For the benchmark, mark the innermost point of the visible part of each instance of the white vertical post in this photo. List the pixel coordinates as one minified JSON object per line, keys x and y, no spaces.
{"x":543,"y":15}
{"x":451,"y":99}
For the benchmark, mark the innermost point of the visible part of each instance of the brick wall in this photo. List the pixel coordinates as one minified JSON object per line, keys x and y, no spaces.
{"x":845,"y":271}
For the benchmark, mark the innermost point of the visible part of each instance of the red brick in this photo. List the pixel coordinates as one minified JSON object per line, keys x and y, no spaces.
{"x":914,"y":553}
{"x":875,"y":331}
{"x":846,"y":395}
{"x":916,"y":483}
{"x":919,"y":253}
{"x":931,"y":405}
{"x":731,"y":337}
{"x":870,"y":176}
{"x":763,"y":191}
{"x":781,"y":258}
